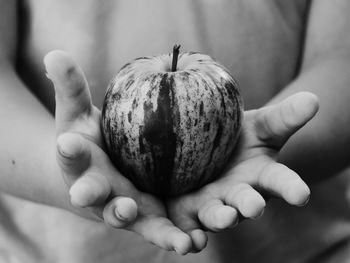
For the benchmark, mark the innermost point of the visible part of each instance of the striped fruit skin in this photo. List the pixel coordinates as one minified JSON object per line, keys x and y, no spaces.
{"x":171,"y":132}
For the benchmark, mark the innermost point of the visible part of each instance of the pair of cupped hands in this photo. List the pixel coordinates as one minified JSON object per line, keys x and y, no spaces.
{"x":179,"y":223}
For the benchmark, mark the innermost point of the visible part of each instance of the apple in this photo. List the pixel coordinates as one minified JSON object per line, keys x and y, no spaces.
{"x":171,"y":122}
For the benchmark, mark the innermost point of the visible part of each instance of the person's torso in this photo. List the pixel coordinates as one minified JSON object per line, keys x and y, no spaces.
{"x":260,"y":42}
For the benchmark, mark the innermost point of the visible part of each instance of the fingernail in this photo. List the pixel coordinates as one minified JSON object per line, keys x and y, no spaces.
{"x":259,"y":215}
{"x":69,"y":147}
{"x":182,"y":243}
{"x":63,"y":151}
{"x":234,"y":224}
{"x":179,"y":251}
{"x":125,"y":209}
{"x":118,"y":215}
{"x":306,"y":201}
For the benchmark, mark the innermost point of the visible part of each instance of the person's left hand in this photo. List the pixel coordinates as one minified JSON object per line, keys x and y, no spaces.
{"x":253,"y":173}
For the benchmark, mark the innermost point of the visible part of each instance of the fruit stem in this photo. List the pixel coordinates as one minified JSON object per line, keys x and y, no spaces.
{"x":176,"y":51}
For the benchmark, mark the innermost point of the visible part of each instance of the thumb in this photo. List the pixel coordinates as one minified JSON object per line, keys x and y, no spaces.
{"x":72,"y":92}
{"x":275,"y":124}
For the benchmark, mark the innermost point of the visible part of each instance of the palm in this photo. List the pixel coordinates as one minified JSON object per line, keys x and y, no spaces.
{"x":83,"y":161}
{"x":253,"y":171}
{"x":93,"y":180}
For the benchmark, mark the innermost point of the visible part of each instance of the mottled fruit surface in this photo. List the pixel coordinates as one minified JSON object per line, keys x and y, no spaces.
{"x":172,"y":132}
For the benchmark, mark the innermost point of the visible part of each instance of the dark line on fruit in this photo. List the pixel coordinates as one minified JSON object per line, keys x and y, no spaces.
{"x":201,"y":109}
{"x":206,"y":127}
{"x":238,"y":118}
{"x":124,"y":67}
{"x":142,"y":58}
{"x":159,"y":135}
{"x":216,"y":144}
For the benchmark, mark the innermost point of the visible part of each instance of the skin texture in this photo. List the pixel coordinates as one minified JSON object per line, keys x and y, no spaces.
{"x":84,"y":157}
{"x":256,"y":54}
{"x":264,"y":133}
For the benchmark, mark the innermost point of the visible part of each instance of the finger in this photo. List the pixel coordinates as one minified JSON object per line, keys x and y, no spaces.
{"x":162,"y":232}
{"x":246,"y":200}
{"x":276,"y":123}
{"x":73,"y":155}
{"x":72,"y":93}
{"x":91,"y":189}
{"x":281,"y":181}
{"x":216,"y":216}
{"x":120,"y":212}
{"x":186,"y":219}
{"x":199,"y":240}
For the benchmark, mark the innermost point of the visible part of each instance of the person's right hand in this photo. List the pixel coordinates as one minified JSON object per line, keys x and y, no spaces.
{"x":87,"y":170}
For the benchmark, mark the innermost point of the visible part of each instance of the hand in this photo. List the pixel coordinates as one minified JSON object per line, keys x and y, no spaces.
{"x":93,"y":181}
{"x":253,"y":171}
